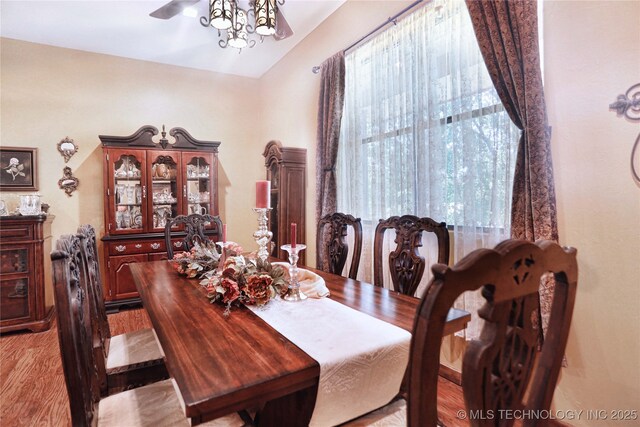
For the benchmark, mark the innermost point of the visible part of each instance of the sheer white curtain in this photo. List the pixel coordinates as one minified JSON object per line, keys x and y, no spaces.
{"x":424,"y":133}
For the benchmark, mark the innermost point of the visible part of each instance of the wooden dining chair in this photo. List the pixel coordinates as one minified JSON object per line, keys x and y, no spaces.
{"x":332,"y":250}
{"x":502,"y":370}
{"x":152,"y":405}
{"x":194,"y":227}
{"x":128,"y":360}
{"x":406,"y":265}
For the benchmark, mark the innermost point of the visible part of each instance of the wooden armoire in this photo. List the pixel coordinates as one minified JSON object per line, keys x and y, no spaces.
{"x":287,"y":171}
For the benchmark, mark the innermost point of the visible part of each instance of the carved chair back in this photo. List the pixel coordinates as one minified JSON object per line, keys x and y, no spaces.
{"x":406,"y":265}
{"x":75,"y":331}
{"x":101,"y":330}
{"x":194,"y":227}
{"x":331,"y":244}
{"x":500,"y":371}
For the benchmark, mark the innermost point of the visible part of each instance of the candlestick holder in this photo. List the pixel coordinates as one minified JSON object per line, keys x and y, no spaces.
{"x":262,"y":235}
{"x":223,"y":256}
{"x":294,"y":293}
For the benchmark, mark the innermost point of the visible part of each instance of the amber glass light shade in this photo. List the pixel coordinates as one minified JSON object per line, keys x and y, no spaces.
{"x":221,"y":14}
{"x":265,"y":13}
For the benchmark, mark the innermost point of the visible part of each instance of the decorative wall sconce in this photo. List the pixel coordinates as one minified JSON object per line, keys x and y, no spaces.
{"x":628,"y":105}
{"x":67,"y":148}
{"x":68,"y":182}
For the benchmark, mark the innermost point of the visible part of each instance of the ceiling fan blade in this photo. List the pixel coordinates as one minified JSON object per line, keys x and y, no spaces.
{"x":172,"y":8}
{"x":283,"y":30}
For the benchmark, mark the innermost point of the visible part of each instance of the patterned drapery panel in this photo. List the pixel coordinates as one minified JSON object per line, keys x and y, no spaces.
{"x":507,"y":33}
{"x":330,"y":106}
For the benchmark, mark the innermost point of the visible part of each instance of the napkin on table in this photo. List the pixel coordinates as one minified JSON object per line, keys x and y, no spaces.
{"x":311,"y":284}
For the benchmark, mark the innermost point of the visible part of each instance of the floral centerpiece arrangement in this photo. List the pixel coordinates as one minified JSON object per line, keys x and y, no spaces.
{"x":245,"y":280}
{"x":239,"y":280}
{"x":199,"y":260}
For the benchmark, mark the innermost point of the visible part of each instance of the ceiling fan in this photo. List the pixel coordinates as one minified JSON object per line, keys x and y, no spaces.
{"x":227,"y":14}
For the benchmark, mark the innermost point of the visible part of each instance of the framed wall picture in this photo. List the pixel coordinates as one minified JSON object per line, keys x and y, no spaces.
{"x":18,"y":169}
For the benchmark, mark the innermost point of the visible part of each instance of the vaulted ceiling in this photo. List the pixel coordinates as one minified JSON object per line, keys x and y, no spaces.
{"x":124,"y":28}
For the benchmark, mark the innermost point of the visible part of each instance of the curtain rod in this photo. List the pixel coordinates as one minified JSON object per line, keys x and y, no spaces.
{"x":394,"y":19}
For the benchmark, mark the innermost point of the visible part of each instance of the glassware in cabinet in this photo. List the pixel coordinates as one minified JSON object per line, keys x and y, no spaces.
{"x":129,"y":191}
{"x":199,"y":173}
{"x":165,"y":188}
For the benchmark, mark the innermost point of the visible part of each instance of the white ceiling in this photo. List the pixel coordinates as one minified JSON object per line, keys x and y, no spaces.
{"x":124,"y":28}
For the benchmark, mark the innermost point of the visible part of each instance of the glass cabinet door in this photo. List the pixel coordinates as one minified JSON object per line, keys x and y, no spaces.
{"x":165,"y":188}
{"x":129,"y":190}
{"x":198,"y":174}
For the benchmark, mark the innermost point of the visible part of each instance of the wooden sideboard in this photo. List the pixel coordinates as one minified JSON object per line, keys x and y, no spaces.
{"x":26,"y":292}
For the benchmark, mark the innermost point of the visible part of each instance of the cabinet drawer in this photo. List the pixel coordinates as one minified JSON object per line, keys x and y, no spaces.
{"x":15,"y":232}
{"x":14,"y":299}
{"x":14,"y":259}
{"x":130,"y":247}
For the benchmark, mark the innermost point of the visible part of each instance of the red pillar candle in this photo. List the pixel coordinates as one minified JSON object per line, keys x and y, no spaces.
{"x":294,"y":227}
{"x":263,"y":194}
{"x":224,"y":233}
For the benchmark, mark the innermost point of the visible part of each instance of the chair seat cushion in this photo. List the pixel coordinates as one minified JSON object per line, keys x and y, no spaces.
{"x":133,"y":348}
{"x":154,"y":405}
{"x":392,"y":415}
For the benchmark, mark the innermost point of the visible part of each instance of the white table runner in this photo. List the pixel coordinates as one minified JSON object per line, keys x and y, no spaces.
{"x":362,"y":359}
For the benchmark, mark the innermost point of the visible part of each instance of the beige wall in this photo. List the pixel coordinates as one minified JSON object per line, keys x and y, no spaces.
{"x":49,"y":93}
{"x":591,"y":56}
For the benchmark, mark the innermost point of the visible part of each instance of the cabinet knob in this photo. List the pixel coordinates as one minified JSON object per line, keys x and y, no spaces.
{"x":177,"y":244}
{"x":121,"y":248}
{"x":155,"y":246}
{"x":138,"y":246}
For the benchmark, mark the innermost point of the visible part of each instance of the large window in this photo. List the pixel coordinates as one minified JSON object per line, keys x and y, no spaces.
{"x":424,"y":132}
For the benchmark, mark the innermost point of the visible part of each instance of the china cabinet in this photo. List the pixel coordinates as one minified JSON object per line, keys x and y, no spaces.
{"x":287,"y":170}
{"x":26,"y":293}
{"x":146,"y":183}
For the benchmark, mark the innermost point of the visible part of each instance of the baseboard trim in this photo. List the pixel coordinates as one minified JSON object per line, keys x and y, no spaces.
{"x":115,"y":306}
{"x":450,"y":374}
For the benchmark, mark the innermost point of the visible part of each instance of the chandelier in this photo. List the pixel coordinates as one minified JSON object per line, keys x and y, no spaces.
{"x":240,"y":25}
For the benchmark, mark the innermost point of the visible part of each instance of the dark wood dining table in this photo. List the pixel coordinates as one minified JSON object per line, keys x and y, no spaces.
{"x":224,"y":364}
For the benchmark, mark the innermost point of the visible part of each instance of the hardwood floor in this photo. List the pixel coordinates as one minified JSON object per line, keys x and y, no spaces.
{"x":33,"y":392}
{"x":32,"y":388}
